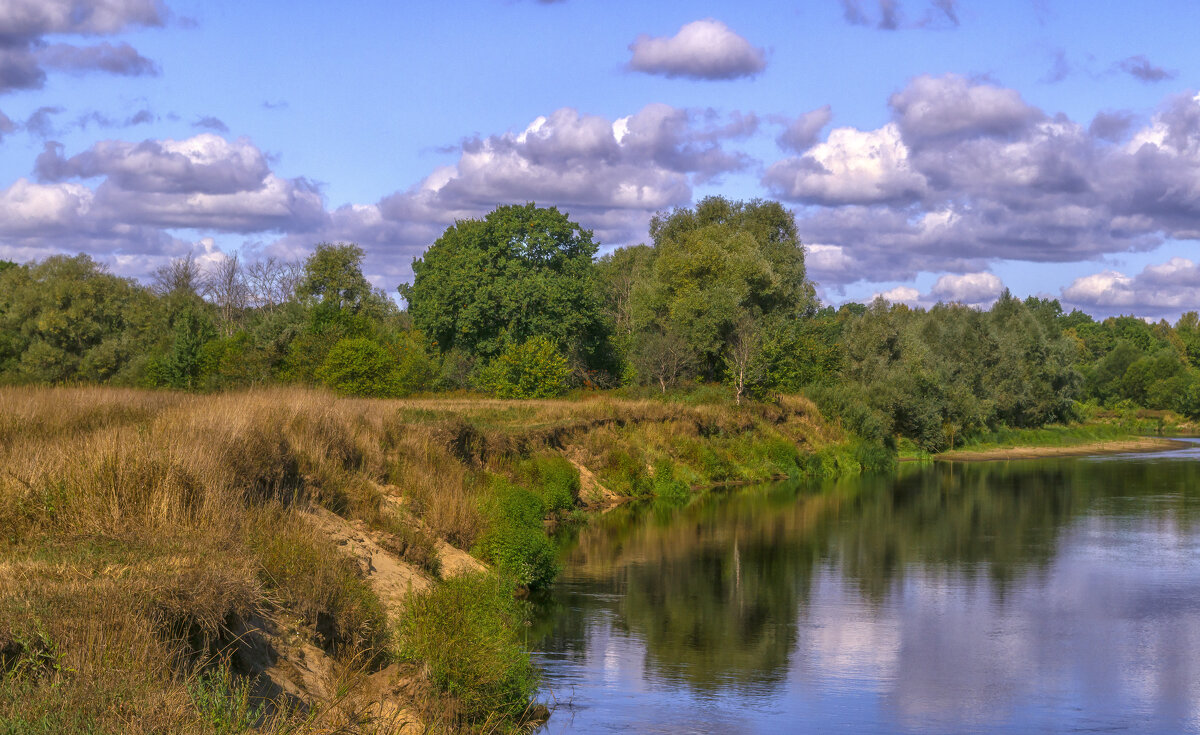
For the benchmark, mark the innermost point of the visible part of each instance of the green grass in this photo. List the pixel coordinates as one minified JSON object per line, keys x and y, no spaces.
{"x":1047,"y":436}
{"x":468,"y":634}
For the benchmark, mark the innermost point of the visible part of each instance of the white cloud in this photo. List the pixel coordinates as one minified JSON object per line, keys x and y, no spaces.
{"x":899,"y":295}
{"x":1169,"y":287}
{"x":702,"y":49}
{"x":851,"y":167}
{"x":967,"y":288}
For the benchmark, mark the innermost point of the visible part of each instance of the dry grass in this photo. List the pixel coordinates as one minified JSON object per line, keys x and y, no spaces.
{"x":140,"y":530}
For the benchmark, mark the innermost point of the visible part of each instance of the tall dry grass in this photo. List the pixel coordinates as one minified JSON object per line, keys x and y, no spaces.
{"x":140,"y":530}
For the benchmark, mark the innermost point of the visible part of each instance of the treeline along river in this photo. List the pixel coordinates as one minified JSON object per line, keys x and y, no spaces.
{"x":1056,"y":595}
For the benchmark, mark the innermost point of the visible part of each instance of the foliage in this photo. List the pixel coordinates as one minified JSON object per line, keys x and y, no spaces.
{"x":521,"y":272}
{"x":553,"y":479}
{"x":515,"y":541}
{"x":533,"y":369}
{"x":224,"y":702}
{"x":466,"y":634}
{"x":360,"y":367}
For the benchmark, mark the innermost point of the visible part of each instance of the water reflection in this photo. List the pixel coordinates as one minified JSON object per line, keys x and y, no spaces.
{"x":1033,"y":596}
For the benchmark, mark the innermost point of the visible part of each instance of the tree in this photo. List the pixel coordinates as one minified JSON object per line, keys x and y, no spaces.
{"x":521,"y":272}
{"x":66,"y":318}
{"x":181,"y":275}
{"x":339,"y":303}
{"x":719,"y":262}
{"x":333,"y":278}
{"x":742,"y":365}
{"x":227,"y":287}
{"x":663,"y":357}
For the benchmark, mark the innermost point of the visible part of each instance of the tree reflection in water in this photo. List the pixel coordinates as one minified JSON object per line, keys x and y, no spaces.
{"x":765,"y":591}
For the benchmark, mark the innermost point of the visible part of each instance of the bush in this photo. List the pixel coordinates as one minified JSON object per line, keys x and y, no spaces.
{"x":666,"y":484}
{"x":515,"y":541}
{"x":466,"y":634}
{"x":360,"y":367}
{"x":554,"y":480}
{"x":533,"y":369}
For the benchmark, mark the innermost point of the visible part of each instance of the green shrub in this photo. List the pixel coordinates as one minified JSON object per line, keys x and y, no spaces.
{"x":554,"y":479}
{"x":515,"y":540}
{"x":532,"y":369}
{"x":666,"y":484}
{"x":466,"y":633}
{"x":360,"y":367}
{"x":414,"y":369}
{"x":626,"y":474}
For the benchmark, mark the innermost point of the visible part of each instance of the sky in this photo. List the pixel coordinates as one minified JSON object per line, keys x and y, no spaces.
{"x":931,"y":150}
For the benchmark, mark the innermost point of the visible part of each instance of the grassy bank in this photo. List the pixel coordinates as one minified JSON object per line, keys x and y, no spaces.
{"x":1092,"y":437}
{"x":287,"y":561}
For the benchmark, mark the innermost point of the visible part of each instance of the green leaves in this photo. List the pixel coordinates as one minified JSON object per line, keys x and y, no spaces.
{"x":522,"y":271}
{"x":533,"y":369}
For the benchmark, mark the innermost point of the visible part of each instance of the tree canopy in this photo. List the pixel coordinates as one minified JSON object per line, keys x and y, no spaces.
{"x":522,"y":271}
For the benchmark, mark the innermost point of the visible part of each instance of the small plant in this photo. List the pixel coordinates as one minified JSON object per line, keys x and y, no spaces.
{"x":467,"y":634}
{"x":224,"y":702}
{"x":554,"y":479}
{"x":666,"y":484}
{"x":516,"y":542}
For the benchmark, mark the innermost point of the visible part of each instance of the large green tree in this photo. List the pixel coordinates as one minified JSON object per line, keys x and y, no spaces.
{"x":522,"y":271}
{"x":66,"y":318}
{"x":718,"y":272}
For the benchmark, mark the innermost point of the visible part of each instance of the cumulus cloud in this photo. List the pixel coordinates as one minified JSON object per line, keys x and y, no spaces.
{"x":967,"y":288}
{"x":702,"y":49}
{"x":1140,"y":68}
{"x":120,"y":198}
{"x":802,"y":132}
{"x":203,"y":164}
{"x":609,"y":175}
{"x":968,"y":173}
{"x":25,"y":56}
{"x":930,"y":109}
{"x":971,"y":289}
{"x":1111,"y":126}
{"x":1169,"y":287}
{"x":899,"y":295}
{"x":850,"y":167}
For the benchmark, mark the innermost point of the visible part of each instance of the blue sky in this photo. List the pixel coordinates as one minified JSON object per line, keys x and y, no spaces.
{"x":939,"y":149}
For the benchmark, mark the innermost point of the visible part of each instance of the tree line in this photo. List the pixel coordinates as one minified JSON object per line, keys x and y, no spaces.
{"x":516,"y":304}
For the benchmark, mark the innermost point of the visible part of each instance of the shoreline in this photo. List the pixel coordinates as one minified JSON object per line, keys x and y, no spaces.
{"x":1116,"y":446}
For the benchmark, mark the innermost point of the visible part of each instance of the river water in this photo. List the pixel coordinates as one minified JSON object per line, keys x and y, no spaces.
{"x":1058,"y":595}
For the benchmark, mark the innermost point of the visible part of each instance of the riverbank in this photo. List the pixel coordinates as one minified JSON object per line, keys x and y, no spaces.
{"x":289,"y":561}
{"x":1114,"y":446}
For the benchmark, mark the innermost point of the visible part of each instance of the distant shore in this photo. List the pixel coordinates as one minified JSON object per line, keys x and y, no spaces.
{"x":1140,"y":444}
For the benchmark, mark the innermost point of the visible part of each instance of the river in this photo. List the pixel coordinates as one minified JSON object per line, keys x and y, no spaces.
{"x":1056,"y":595}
